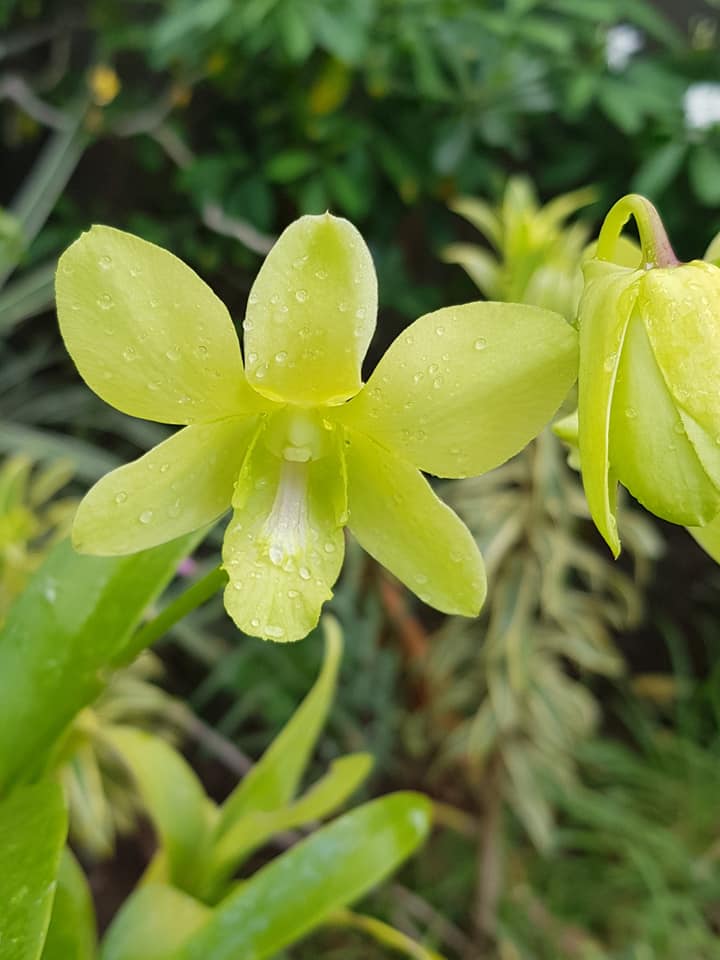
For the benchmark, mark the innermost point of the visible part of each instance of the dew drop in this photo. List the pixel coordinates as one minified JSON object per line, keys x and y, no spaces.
{"x":120,"y":496}
{"x":280,"y":357}
{"x":678,"y":428}
{"x":275,"y":298}
{"x":480,"y":343}
{"x":129,"y":354}
{"x":252,"y":358}
{"x":437,"y":383}
{"x":301,"y":296}
{"x":154,"y":303}
{"x":304,"y":573}
{"x":164,"y":467}
{"x":292,"y":594}
{"x":261,"y":371}
{"x":321,"y":274}
{"x":433,"y":369}
{"x":276,"y":554}
{"x":255,"y":622}
{"x":202,"y":350}
{"x":630,"y":413}
{"x":421,"y":579}
{"x":105,"y":301}
{"x":343,"y":307}
{"x":105,"y":263}
{"x":360,"y":313}
{"x":274,"y":632}
{"x":610,"y":361}
{"x":439,"y":331}
{"x":146,"y":516}
{"x":417,"y":377}
{"x":247,"y":325}
{"x":300,"y":262}
{"x":253,"y":298}
{"x":329,"y":547}
{"x":172,"y":354}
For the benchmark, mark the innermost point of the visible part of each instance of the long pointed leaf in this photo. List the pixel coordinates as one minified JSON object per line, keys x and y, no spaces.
{"x":299,"y":890}
{"x":71,"y":626}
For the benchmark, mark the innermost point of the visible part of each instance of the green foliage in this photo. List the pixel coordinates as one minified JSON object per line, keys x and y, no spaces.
{"x":32,"y":834}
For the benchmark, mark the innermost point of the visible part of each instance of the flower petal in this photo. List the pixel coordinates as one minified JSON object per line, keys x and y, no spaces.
{"x":398,"y":519}
{"x":465,"y":388}
{"x":146,"y":333}
{"x":180,"y":485}
{"x":604,"y":314}
{"x":311,"y":313}
{"x":681,"y":311}
{"x":284,"y":546}
{"x":651,"y":451}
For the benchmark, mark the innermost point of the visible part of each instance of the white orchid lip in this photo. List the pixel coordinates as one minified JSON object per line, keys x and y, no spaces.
{"x":287,"y":526}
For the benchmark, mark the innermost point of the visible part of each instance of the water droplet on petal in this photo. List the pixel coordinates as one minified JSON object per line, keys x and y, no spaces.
{"x":329,"y":547}
{"x":129,"y":354}
{"x":105,"y":262}
{"x":274,"y":632}
{"x":280,"y":357}
{"x":630,"y":413}
{"x":439,"y":331}
{"x":146,"y":516}
{"x":301,"y":296}
{"x":105,"y":301}
{"x":304,"y":573}
{"x":480,"y":343}
{"x":120,"y":496}
{"x":610,"y":361}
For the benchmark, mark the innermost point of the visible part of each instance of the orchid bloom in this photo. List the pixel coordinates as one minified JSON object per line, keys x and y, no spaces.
{"x":294,"y":442}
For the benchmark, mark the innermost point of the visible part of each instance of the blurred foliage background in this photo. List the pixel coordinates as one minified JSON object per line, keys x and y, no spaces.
{"x":571,"y":736}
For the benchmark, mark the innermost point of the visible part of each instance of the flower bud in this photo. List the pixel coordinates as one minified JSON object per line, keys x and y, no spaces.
{"x":649,"y":390}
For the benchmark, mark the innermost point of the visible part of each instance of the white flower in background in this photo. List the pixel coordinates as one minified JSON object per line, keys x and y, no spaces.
{"x":701,"y":104}
{"x":621,"y":44}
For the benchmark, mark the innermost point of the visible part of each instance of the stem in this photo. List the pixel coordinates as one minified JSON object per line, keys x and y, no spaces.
{"x":188,"y":601}
{"x":656,"y":248}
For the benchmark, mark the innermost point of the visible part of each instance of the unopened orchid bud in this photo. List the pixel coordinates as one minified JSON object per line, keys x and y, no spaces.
{"x":649,"y":383}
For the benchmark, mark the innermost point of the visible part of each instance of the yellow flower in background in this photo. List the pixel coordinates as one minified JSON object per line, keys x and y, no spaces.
{"x":293,"y":440}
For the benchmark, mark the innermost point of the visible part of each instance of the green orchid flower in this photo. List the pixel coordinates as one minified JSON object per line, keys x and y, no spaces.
{"x":293,"y":441}
{"x":648,"y":397}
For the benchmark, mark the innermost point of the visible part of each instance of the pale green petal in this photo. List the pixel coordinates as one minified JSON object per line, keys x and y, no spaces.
{"x":311,"y":313}
{"x":650,"y":450}
{"x":680,"y":307}
{"x":709,"y":537}
{"x":146,"y":333}
{"x":604,"y":314}
{"x":180,"y":485}
{"x":284,"y":546}
{"x":398,"y":519}
{"x":465,"y":388}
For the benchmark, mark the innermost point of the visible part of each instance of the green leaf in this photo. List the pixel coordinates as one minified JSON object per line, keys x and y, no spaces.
{"x":274,"y":780}
{"x":299,"y":890}
{"x":74,"y":622}
{"x":71,"y":935}
{"x":152,"y":923}
{"x":660,"y":169}
{"x":173,"y":796}
{"x":325,"y":796}
{"x":33,"y":824}
{"x":289,"y":165}
{"x":704,"y":172}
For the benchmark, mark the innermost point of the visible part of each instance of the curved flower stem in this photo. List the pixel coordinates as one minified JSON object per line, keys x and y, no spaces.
{"x":178,"y":608}
{"x":656,"y":248}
